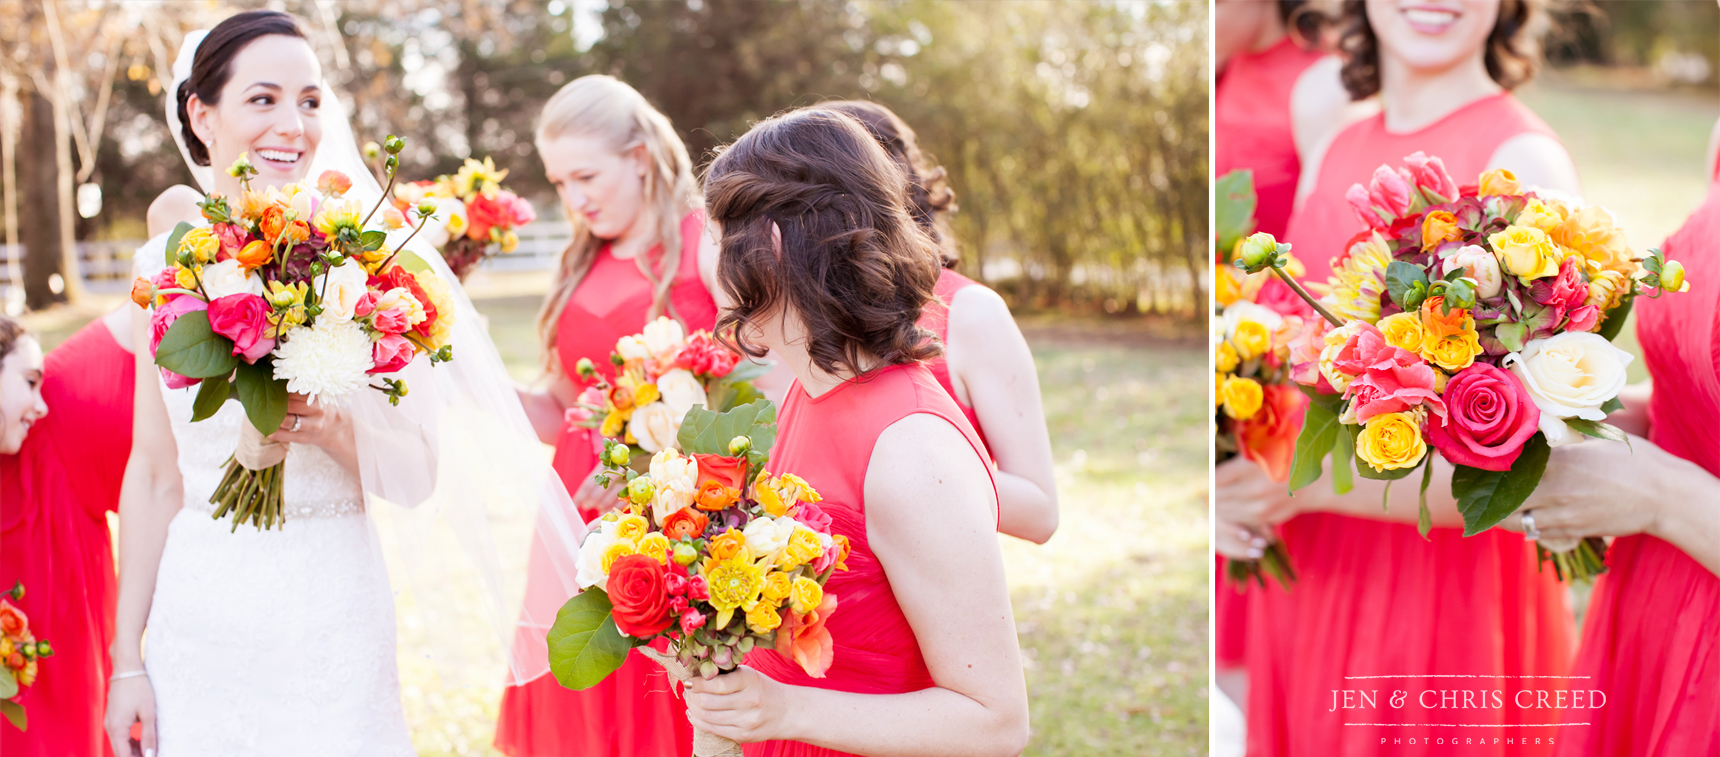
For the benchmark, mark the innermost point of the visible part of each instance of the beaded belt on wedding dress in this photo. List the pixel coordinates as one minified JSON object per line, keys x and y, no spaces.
{"x":292,"y":510}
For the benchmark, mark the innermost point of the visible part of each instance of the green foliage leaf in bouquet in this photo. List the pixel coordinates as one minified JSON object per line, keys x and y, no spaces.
{"x":211,"y":394}
{"x":705,"y":432}
{"x":1487,"y":497}
{"x":191,"y":348}
{"x":170,"y":255}
{"x":1233,"y":203}
{"x":263,"y":396}
{"x":1320,"y":433}
{"x":14,"y":713}
{"x":1613,"y":323}
{"x":584,"y":644}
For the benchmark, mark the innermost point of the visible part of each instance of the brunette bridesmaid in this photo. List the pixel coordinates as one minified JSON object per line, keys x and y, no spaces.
{"x":60,"y":476}
{"x":1373,"y":597}
{"x":986,"y":367}
{"x":825,"y":266}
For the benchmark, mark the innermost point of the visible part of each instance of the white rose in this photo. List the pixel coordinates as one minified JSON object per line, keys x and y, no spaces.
{"x":663,"y":338}
{"x":341,"y":289}
{"x":590,"y":561}
{"x":681,"y":391}
{"x":669,"y":466}
{"x":767,"y":536}
{"x":670,"y":497}
{"x":655,"y":427}
{"x":1243,"y":310}
{"x":1478,"y":264}
{"x":227,"y":278}
{"x":631,"y":348}
{"x":1569,"y":376}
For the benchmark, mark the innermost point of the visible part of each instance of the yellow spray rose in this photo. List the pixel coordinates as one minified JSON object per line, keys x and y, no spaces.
{"x":1217,"y":389}
{"x":1227,"y":283}
{"x":763,"y":618}
{"x":1526,"y":252}
{"x":1391,"y":441}
{"x":202,"y":243}
{"x":655,"y":545}
{"x":621,"y":548}
{"x":1499,"y":182}
{"x":1242,"y":397}
{"x":803,"y":547}
{"x":1449,"y":340}
{"x":1541,"y":216}
{"x":1402,"y":330}
{"x":1251,"y":339}
{"x":776,"y":587}
{"x":805,"y":595}
{"x":1226,"y":358}
{"x":631,"y":527}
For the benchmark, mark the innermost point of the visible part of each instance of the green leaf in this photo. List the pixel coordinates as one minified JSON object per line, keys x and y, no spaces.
{"x":14,"y":713}
{"x":1320,"y":430}
{"x":1233,"y":208}
{"x":1487,"y":497}
{"x":704,"y":432}
{"x":1615,"y":318}
{"x":411,"y":262}
{"x":263,"y":395}
{"x":1342,"y":453}
{"x":1612,"y":406}
{"x":373,"y":240}
{"x":8,"y":684}
{"x":1402,"y":279}
{"x":211,"y":394}
{"x":191,"y":348}
{"x":172,"y":252}
{"x":747,"y":370}
{"x":1597,"y":429}
{"x":584,"y":644}
{"x":1424,"y":517}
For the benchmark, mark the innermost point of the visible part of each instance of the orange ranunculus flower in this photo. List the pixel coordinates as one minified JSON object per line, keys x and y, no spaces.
{"x":713,"y":496}
{"x":142,"y":292}
{"x":729,"y":471}
{"x":1499,"y":182}
{"x":15,"y":661}
{"x":685,"y":523}
{"x":621,"y":397}
{"x":1439,"y":227}
{"x":333,"y":183}
{"x":13,"y":622}
{"x":1449,"y":340}
{"x":277,"y":229}
{"x":1436,"y":323}
{"x":1269,"y":436}
{"x":727,"y":545}
{"x":256,"y":254}
{"x":805,"y":640}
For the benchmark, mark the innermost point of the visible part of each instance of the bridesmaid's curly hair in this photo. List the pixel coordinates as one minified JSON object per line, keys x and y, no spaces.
{"x":1513,"y":48}
{"x":854,"y":267}
{"x":930,"y":198}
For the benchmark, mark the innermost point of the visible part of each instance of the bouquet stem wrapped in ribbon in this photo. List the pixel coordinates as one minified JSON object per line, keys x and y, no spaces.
{"x":288,"y":292}
{"x":1475,"y":323}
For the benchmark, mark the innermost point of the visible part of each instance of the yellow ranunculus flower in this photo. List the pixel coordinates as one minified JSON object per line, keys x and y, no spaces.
{"x":1217,"y":389}
{"x":1225,"y":358}
{"x":803,"y":547}
{"x":621,"y":548}
{"x":656,"y":545}
{"x":805,"y":595}
{"x":763,"y":618}
{"x":1242,"y":397}
{"x":1526,"y":252}
{"x":1251,"y":339}
{"x":1499,"y":182}
{"x":776,"y":586}
{"x":1402,"y":330}
{"x":1227,"y":283}
{"x":1605,"y":289}
{"x":510,"y":241}
{"x":1539,"y":215}
{"x":202,"y":243}
{"x":1391,"y":441}
{"x":1439,"y":227}
{"x":734,"y":585}
{"x":1452,"y":353}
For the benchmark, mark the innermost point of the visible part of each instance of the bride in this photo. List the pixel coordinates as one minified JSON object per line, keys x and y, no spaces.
{"x":283,"y":641}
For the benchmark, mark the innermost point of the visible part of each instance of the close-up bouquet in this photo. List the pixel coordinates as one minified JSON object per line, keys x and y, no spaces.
{"x":287,"y":292}
{"x":660,"y":374}
{"x":711,"y":553}
{"x":20,"y":652}
{"x":1257,"y":407}
{"x":1475,"y":323}
{"x":475,"y":217}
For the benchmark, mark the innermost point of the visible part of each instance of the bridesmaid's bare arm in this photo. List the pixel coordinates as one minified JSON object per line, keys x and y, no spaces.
{"x":1538,"y":161}
{"x":991,"y":364}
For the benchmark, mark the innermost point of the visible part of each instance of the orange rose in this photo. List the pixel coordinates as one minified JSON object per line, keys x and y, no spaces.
{"x":729,"y":544}
{"x":1499,"y":182}
{"x":729,"y":471}
{"x":1438,"y":227}
{"x":685,"y":523}
{"x":713,"y":496}
{"x":142,"y":292}
{"x":278,"y":230}
{"x":12,"y":620}
{"x":255,"y":255}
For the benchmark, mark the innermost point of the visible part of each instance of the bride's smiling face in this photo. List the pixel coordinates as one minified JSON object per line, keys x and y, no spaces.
{"x":1432,"y":35}
{"x":268,"y":109}
{"x":605,"y":187}
{"x":21,"y":402}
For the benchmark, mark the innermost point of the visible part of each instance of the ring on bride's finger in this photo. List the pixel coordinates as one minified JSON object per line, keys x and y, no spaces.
{"x":1529,"y":528}
{"x":297,"y":419}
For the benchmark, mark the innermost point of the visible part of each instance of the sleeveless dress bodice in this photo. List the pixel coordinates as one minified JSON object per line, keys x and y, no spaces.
{"x":1252,"y":127}
{"x":936,"y":319}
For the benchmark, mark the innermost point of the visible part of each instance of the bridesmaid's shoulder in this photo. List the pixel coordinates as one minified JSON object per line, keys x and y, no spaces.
{"x":178,"y":203}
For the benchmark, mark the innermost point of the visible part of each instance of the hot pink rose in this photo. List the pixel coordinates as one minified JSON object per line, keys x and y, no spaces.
{"x":1489,"y":417}
{"x":366,"y":305}
{"x":1584,"y":318}
{"x":1428,"y":174}
{"x":162,"y":320}
{"x":519,"y":207}
{"x":390,"y":354}
{"x":1389,"y":379}
{"x":391,"y":321}
{"x":1566,"y":290}
{"x":243,"y":318}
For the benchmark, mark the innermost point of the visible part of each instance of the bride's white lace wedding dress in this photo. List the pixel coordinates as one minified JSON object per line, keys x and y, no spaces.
{"x":278,"y":642}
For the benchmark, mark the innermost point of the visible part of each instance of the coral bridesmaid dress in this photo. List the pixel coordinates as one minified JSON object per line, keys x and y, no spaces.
{"x":633,"y":711}
{"x":54,"y":498}
{"x":1651,"y":640}
{"x":1252,"y":131}
{"x":1374,"y":598}
{"x":936,"y":319}
{"x":876,"y":652}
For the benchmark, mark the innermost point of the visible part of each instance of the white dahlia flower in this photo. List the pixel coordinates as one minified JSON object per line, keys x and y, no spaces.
{"x":328,"y":360}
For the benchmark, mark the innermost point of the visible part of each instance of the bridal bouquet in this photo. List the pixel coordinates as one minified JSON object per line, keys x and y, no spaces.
{"x":288,"y":292}
{"x":476,"y":217}
{"x":1256,"y":405}
{"x":19,"y":653}
{"x":712,"y":553}
{"x":1475,"y":323}
{"x":660,"y":374}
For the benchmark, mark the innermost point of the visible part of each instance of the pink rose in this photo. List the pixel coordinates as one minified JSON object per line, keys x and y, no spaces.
{"x":165,"y":279}
{"x":692,"y":621}
{"x":391,"y":321}
{"x":1584,"y":318}
{"x":1489,"y":417}
{"x":698,"y":589}
{"x":1428,"y":174}
{"x":1389,"y":379}
{"x":243,"y":318}
{"x":365,"y":306}
{"x":162,"y":320}
{"x":1567,"y":290}
{"x":813,"y":517}
{"x":519,"y":207}
{"x":390,"y":354}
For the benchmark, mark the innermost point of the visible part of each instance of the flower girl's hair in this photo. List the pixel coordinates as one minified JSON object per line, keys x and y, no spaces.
{"x":213,"y":65}
{"x":853,"y":266}
{"x":605,"y":108}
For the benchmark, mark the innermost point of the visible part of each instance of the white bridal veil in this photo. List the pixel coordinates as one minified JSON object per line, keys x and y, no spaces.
{"x":474,"y":504}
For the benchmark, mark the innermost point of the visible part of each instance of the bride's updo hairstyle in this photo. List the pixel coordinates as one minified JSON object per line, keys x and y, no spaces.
{"x":854,"y":267}
{"x":213,"y":65}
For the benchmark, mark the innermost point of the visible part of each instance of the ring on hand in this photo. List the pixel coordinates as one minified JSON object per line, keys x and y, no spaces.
{"x":297,"y":419}
{"x":1529,"y":528}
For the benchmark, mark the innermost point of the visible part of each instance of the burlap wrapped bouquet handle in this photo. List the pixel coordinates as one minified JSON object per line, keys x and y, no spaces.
{"x":705,"y":743}
{"x":257,"y":452}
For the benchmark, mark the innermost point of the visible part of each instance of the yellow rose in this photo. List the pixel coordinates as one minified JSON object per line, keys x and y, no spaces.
{"x":776,"y":587}
{"x":1251,"y":339}
{"x":1437,"y":228}
{"x":1499,"y":182}
{"x":1391,"y":441}
{"x":1227,"y":284}
{"x":621,"y":548}
{"x":656,"y":545}
{"x":201,"y":243}
{"x":631,"y":527}
{"x":1539,"y":215}
{"x":185,"y":279}
{"x":1439,"y":381}
{"x":1242,"y":397}
{"x":803,"y":547}
{"x":805,"y":595}
{"x":1402,"y":330}
{"x":1526,"y":252}
{"x":1226,"y":358}
{"x":763,"y":618}
{"x":1452,"y":353}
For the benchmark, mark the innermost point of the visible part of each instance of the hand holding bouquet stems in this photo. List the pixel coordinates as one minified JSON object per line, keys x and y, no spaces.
{"x":1475,"y":323}
{"x":287,"y":292}
{"x":20,"y":653}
